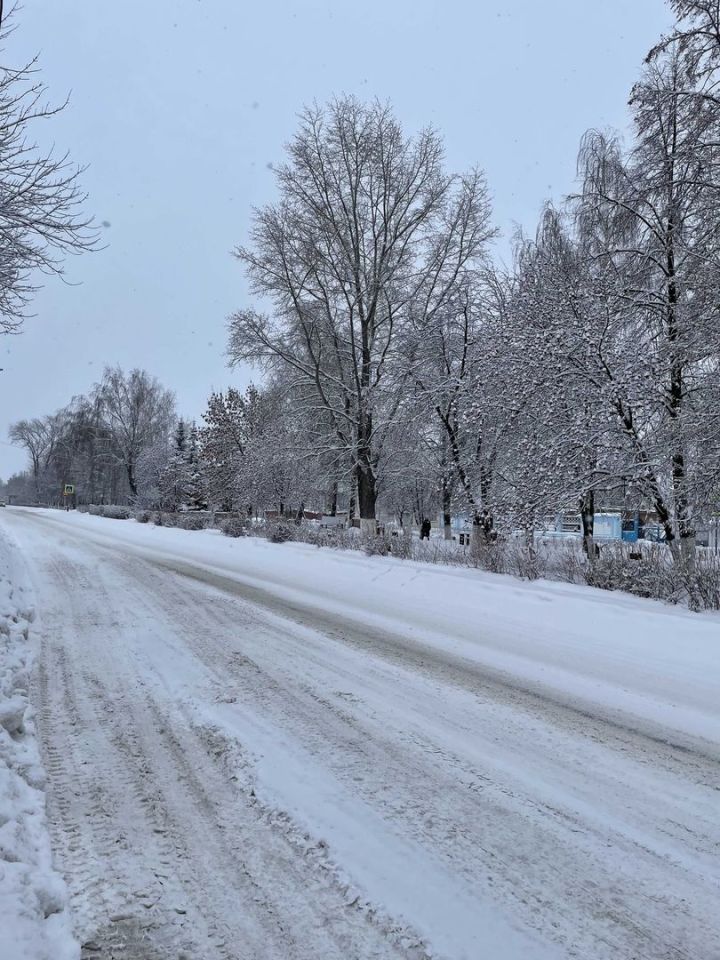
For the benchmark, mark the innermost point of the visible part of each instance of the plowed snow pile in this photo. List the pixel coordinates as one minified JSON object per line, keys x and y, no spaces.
{"x":34,"y":924}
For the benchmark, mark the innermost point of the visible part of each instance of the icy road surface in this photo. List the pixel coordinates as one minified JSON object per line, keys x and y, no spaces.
{"x":259,"y":751}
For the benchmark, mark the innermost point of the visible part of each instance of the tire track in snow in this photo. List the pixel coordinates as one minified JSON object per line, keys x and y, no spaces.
{"x":431,"y":798}
{"x":95,"y":809}
{"x":456,"y":671}
{"x":606,"y":907}
{"x":133,"y":786}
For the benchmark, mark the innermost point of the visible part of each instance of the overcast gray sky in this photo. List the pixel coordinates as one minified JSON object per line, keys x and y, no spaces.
{"x":180,"y":106}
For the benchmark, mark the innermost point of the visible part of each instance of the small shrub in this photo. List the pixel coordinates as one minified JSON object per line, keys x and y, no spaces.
{"x":441,"y":551}
{"x":652,"y":575}
{"x":143,"y":516}
{"x":378,"y":546}
{"x":281,"y":532}
{"x":335,"y":537}
{"x":567,"y":562}
{"x":234,"y":527}
{"x":115,"y":513}
{"x":702,"y":582}
{"x":191,"y":521}
{"x":401,"y":545}
{"x":489,"y":555}
{"x":524,"y":560}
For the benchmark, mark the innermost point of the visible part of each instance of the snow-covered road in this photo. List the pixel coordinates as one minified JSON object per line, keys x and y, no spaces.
{"x":259,"y":751}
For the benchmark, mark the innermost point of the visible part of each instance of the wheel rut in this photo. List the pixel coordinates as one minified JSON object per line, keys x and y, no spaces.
{"x":165,"y":855}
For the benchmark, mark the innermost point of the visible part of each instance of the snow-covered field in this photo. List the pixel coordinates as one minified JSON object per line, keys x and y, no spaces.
{"x":275,"y":751}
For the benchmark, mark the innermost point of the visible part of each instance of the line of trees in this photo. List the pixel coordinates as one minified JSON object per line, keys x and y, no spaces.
{"x":107,"y":443}
{"x":123,"y":442}
{"x":406,"y":373}
{"x":589,"y":366}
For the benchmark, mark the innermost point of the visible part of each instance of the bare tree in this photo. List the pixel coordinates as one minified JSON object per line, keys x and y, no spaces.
{"x":695,"y":41}
{"x":464,"y":384}
{"x":41,"y":217}
{"x":363,"y":249}
{"x":34,"y":437}
{"x":138,"y":411}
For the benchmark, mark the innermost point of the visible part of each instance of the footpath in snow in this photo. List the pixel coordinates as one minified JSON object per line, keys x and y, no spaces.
{"x":34,"y":924}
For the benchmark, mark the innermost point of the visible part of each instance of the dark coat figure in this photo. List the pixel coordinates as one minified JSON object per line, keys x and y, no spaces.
{"x":425,"y":528}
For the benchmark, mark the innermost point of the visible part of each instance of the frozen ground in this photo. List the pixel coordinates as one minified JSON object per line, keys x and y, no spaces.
{"x":271,"y":751}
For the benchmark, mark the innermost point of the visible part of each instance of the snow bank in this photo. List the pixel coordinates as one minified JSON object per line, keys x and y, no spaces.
{"x":34,"y":923}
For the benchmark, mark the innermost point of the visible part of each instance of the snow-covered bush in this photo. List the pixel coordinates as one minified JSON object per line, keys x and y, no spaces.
{"x":191,"y":521}
{"x":401,"y":546}
{"x":565,"y":561}
{"x":489,"y":555}
{"x":378,"y":546}
{"x":702,"y":581}
{"x":524,"y":560}
{"x":337,"y":537}
{"x":642,"y":571}
{"x":281,"y":532}
{"x":170,"y":518}
{"x":234,"y":527}
{"x":143,"y":516}
{"x":114,"y":512}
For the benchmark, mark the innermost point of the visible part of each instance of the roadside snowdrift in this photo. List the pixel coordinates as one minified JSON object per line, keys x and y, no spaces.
{"x":34,"y":924}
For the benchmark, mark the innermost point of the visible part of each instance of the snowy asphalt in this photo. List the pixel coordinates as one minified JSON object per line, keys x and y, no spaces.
{"x":234,"y":775}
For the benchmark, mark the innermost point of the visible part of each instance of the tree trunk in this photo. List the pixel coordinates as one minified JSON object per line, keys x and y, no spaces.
{"x":333,"y":503}
{"x":352,"y":503}
{"x":687,"y":547}
{"x":685,"y":528}
{"x":650,"y":480}
{"x":464,"y":479}
{"x":530,"y":539}
{"x":366,"y":480}
{"x":587,"y":514}
{"x":132,"y":483}
{"x":477,"y":537}
{"x":447,"y":516}
{"x":367,"y":499}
